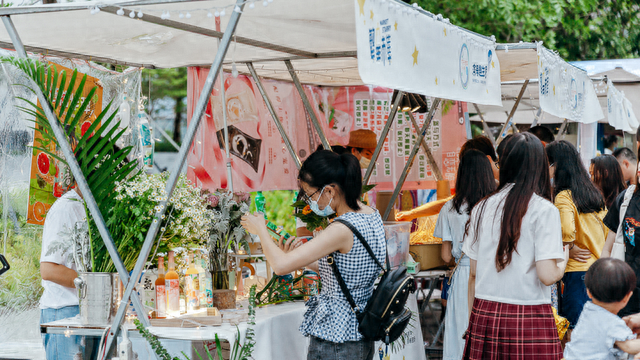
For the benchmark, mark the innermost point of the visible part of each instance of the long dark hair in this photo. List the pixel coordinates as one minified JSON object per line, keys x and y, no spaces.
{"x":474,"y":180}
{"x":607,"y":177}
{"x":524,"y":165}
{"x":482,"y":144}
{"x":570,"y":174}
{"x":325,"y":167}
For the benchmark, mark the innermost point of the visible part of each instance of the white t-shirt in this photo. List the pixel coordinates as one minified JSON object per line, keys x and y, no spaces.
{"x":67,"y":210}
{"x":540,"y":239}
{"x":451,"y":225}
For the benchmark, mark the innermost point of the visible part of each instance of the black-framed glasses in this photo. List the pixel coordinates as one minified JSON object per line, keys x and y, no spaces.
{"x":307,"y":198}
{"x":497,"y":164}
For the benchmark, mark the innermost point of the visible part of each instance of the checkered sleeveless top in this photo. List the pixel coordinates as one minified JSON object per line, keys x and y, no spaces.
{"x":328,"y":314}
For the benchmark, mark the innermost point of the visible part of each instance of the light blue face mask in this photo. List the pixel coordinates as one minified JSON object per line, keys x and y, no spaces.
{"x":327,"y":211}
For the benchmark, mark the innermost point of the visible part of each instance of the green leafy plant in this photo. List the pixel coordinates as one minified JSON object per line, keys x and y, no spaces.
{"x":101,"y":161}
{"x":185,"y":223}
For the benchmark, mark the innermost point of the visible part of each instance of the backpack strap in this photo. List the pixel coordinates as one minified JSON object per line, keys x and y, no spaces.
{"x":336,"y":271}
{"x":623,"y":211}
{"x":364,"y":243}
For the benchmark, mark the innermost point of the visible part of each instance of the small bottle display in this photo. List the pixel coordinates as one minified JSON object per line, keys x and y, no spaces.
{"x":172,"y":288}
{"x":206,"y":289}
{"x":271,"y":227}
{"x":146,"y":141}
{"x":161,"y":295}
{"x":192,"y":285}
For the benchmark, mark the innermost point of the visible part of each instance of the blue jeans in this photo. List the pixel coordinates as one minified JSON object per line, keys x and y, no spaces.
{"x":350,"y":350}
{"x":58,"y":346}
{"x":574,"y":296}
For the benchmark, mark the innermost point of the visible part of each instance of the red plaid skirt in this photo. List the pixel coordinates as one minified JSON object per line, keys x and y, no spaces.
{"x":500,"y":331}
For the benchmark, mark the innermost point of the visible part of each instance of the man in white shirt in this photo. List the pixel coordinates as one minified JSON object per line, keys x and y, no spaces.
{"x":59,"y":299}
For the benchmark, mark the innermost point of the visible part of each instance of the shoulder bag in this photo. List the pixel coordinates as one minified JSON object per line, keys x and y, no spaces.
{"x":385,"y":316}
{"x":618,"y":249}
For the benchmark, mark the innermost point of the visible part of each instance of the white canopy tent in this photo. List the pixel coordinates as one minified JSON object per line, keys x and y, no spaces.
{"x":309,"y":42}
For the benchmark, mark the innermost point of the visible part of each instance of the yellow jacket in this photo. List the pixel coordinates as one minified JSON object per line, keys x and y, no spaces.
{"x":584,"y":230}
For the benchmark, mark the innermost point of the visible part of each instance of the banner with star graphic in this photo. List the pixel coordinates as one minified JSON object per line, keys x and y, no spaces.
{"x":404,"y":48}
{"x":566,"y":91}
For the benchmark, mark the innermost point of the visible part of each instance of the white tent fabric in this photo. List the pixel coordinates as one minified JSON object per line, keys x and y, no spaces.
{"x":620,"y":111}
{"x":566,"y":91}
{"x":401,"y":47}
{"x":319,"y":36}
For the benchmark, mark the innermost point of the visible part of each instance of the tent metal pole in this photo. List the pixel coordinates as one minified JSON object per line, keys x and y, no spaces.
{"x":427,"y":151}
{"x":275,"y":117}
{"x":175,"y":174}
{"x":210,"y":33}
{"x":563,"y":128}
{"x":77,"y":174}
{"x":164,"y":134}
{"x":536,"y":118}
{"x":412,"y":155}
{"x":307,"y":105}
{"x":227,"y":150}
{"x":503,"y":132}
{"x":485,"y":126}
{"x":383,"y":136}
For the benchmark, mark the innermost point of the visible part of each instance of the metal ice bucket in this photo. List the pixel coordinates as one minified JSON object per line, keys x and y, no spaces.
{"x":96,"y":293}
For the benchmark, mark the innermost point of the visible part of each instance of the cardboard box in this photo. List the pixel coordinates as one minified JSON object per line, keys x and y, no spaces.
{"x":428,"y":256}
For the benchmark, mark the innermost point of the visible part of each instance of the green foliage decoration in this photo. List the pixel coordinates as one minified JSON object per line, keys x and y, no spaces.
{"x":577,"y":29}
{"x":101,"y":161}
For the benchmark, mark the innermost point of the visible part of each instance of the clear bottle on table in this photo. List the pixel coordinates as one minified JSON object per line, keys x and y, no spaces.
{"x":172,"y":288}
{"x":161,"y":294}
{"x":192,"y":285}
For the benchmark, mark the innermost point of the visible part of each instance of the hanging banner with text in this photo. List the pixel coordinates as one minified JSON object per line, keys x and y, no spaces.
{"x":565,"y":90}
{"x":402,"y":48}
{"x":259,"y":158}
{"x":620,"y":111}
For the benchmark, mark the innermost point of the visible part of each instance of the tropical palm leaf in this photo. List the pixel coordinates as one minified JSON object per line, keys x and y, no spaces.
{"x":100,"y":160}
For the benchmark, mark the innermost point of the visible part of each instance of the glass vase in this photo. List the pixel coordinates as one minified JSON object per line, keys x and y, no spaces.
{"x":220,"y":270}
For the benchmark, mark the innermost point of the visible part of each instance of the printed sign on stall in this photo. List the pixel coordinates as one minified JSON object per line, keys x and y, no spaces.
{"x":403,"y":48}
{"x":46,"y":182}
{"x":259,"y":158}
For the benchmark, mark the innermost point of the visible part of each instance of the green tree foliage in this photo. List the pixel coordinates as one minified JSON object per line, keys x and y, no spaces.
{"x":168,"y":83}
{"x":577,"y":29}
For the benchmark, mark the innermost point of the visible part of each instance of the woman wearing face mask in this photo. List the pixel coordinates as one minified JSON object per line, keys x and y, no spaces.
{"x":362,"y":144}
{"x":582,"y":209}
{"x":332,"y":183}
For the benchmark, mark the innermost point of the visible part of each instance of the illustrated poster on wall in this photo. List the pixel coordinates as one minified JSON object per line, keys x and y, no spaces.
{"x":259,"y":158}
{"x":46,"y":171}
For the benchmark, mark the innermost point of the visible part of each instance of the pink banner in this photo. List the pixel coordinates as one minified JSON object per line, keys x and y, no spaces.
{"x":259,"y":158}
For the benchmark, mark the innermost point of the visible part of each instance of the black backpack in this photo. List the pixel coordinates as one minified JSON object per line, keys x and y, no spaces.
{"x":385,"y":316}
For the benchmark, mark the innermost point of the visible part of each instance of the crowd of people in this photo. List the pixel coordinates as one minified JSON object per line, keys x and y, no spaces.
{"x":539,"y":236}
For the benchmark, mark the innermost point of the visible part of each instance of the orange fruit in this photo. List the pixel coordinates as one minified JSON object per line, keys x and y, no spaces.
{"x":39,"y":211}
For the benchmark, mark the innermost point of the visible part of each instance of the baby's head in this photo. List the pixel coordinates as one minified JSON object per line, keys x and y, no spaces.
{"x":610,"y":282}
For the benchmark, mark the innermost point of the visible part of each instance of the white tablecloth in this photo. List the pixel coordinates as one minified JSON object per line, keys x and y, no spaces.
{"x":278,"y":337}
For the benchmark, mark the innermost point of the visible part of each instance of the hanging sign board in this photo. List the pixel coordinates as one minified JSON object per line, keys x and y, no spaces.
{"x":402,"y":48}
{"x":620,"y":111}
{"x":259,"y":158}
{"x":565,"y":90}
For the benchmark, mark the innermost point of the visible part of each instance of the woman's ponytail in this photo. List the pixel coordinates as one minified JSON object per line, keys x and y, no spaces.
{"x":352,"y":186}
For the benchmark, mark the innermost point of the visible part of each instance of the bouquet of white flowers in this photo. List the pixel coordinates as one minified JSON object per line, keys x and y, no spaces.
{"x":186,"y":222}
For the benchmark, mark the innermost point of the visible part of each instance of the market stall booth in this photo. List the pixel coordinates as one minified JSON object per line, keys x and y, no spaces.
{"x":307,"y":44}
{"x":320,"y":50}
